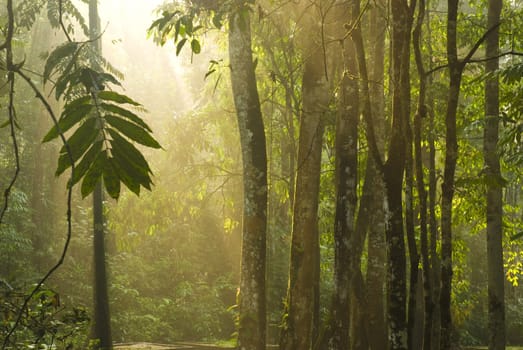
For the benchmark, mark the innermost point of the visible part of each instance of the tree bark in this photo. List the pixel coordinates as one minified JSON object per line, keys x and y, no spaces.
{"x":394,"y":171}
{"x":496,"y":280}
{"x":421,"y":114}
{"x":102,"y":317}
{"x":346,"y":199}
{"x":297,"y":333}
{"x":447,"y":187}
{"x":376,"y":272}
{"x":252,"y":298}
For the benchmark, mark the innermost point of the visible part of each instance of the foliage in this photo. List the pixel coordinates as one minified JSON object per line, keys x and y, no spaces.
{"x":47,"y":324}
{"x":100,"y":146}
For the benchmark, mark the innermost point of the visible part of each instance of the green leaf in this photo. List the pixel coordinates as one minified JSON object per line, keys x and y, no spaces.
{"x":86,"y":162}
{"x":94,"y":174}
{"x":55,"y":58}
{"x":132,"y":131}
{"x":127,"y":180}
{"x":116,"y":97}
{"x":70,"y":117}
{"x":179,"y":46}
{"x":119,"y":143}
{"x":195,"y":46}
{"x":78,"y":143}
{"x":126,"y":114}
{"x":131,"y":174}
{"x":111,"y":179}
{"x":82,"y":138}
{"x":130,"y":161}
{"x":516,"y":236}
{"x":217,"y":20}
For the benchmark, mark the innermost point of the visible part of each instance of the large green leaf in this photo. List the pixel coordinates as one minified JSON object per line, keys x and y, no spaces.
{"x":86,"y":162}
{"x":131,"y":171}
{"x":70,"y":117}
{"x":94,"y":174}
{"x":111,"y":179}
{"x":63,"y":51}
{"x":132,"y":131}
{"x":131,"y":183}
{"x":126,"y":114}
{"x":78,"y":143}
{"x":134,"y":167}
{"x":116,"y":97}
{"x":131,"y":152}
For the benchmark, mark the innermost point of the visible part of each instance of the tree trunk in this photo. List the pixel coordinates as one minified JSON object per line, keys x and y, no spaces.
{"x":252,"y":299}
{"x":451,"y":155}
{"x":393,"y":174}
{"x":102,"y":318}
{"x":496,"y":280}
{"x":376,"y":272}
{"x":421,"y":114}
{"x":297,"y":333}
{"x":346,"y":198}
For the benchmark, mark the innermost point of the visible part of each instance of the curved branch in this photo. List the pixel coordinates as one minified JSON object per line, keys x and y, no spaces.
{"x":69,"y":206}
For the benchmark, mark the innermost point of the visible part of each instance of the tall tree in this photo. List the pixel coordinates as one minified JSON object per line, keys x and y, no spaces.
{"x":496,"y":292}
{"x":297,"y":332}
{"x":102,"y":319}
{"x":421,"y":115}
{"x":252,"y":299}
{"x":376,"y":250}
{"x":346,"y":149}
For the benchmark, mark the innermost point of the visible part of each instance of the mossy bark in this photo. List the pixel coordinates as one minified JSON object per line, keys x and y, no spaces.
{"x":252,"y":296}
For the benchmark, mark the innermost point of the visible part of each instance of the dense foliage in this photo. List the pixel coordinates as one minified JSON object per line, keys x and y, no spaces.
{"x":174,"y":252}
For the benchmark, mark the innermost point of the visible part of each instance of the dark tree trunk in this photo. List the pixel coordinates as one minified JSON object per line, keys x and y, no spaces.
{"x":451,"y":155}
{"x":102,"y":318}
{"x":297,"y":332}
{"x":346,"y":198}
{"x":394,"y":171}
{"x":420,"y":115}
{"x":376,"y":272}
{"x":252,"y":299}
{"x":496,"y":280}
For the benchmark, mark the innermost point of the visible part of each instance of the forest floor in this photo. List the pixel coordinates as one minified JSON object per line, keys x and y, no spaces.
{"x":176,"y":346}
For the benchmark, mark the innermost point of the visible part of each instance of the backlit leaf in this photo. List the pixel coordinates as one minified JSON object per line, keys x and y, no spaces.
{"x":116,"y":97}
{"x":111,"y":179}
{"x":126,"y":114}
{"x":70,"y":117}
{"x":94,"y":174}
{"x":132,"y":131}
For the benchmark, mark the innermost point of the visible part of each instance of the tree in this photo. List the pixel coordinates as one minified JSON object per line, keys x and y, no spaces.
{"x":252,"y":317}
{"x":494,"y":182}
{"x":297,"y":328}
{"x":346,"y":148}
{"x":102,"y":314}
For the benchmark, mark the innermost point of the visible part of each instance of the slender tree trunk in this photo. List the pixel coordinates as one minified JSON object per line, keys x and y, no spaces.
{"x":102,"y":318}
{"x":435,"y":261}
{"x":346,"y":198}
{"x":252,"y":299}
{"x":420,"y":115}
{"x":496,"y":280}
{"x":451,"y":155}
{"x":393,"y":174}
{"x":412,"y":245}
{"x":298,"y":329}
{"x":376,"y":261}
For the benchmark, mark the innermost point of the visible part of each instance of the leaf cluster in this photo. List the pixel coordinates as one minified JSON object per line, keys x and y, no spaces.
{"x":105,"y":125}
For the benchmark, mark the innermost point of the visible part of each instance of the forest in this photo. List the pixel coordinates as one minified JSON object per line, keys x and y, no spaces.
{"x":255,"y":174}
